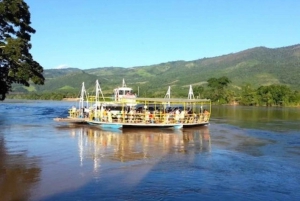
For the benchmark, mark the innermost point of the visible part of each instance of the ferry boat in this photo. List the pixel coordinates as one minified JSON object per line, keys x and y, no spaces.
{"x":127,"y":110}
{"x":79,"y":113}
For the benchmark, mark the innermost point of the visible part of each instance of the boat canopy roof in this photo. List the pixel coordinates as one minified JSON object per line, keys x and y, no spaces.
{"x":123,"y":88}
{"x":172,"y":100}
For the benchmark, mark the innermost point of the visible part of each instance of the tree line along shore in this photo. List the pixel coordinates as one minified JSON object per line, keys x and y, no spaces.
{"x":219,"y":90}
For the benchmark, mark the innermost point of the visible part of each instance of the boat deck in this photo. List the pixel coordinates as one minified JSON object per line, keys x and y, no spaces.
{"x":71,"y":120}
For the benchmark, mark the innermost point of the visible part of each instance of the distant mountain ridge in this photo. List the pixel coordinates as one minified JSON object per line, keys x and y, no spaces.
{"x":256,"y":66}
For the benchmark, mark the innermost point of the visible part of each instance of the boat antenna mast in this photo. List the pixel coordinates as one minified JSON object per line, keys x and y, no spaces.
{"x":168,"y":94}
{"x":98,"y":90}
{"x":123,"y":84}
{"x":191,"y":93}
{"x":82,"y":95}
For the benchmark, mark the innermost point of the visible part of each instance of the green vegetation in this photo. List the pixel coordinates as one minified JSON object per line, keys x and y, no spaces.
{"x":16,"y":62}
{"x":224,"y":79}
{"x":273,"y":95}
{"x":217,"y":90}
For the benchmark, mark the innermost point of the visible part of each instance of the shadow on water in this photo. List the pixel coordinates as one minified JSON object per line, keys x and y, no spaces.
{"x":18,"y":174}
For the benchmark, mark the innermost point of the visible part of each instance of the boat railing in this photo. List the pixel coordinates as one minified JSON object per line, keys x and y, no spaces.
{"x":147,"y":117}
{"x":92,"y":99}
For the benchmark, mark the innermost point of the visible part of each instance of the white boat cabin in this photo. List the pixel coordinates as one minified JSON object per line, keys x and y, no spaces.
{"x":123,"y":92}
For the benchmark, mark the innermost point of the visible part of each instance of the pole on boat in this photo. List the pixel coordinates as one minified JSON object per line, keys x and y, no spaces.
{"x":97,"y":93}
{"x":98,"y":89}
{"x":81,"y":99}
{"x":191,"y":93}
{"x":123,"y":84}
{"x":168,"y":94}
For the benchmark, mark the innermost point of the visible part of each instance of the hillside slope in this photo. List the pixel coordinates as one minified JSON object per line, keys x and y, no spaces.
{"x":257,"y":66}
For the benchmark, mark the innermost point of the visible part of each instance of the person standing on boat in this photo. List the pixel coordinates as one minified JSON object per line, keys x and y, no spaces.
{"x":73,"y":111}
{"x":166,"y":116}
{"x":177,"y":112}
{"x":96,"y":113}
{"x":104,"y":115}
{"x":130,"y":119}
{"x":147,"y":118}
{"x":87,"y":111}
{"x":109,"y":116}
{"x":84,"y":112}
{"x":151,"y":117}
{"x":182,"y":115}
{"x":206,"y":115}
{"x":119,"y":115}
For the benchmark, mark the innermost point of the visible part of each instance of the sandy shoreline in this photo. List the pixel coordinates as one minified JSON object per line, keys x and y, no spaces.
{"x":70,"y":99}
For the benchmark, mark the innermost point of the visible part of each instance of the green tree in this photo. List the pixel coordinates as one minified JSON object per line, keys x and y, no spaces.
{"x":276,"y":95}
{"x":16,"y":63}
{"x":217,"y":92}
{"x":198,"y":91}
{"x":248,"y":95}
{"x":218,"y":83}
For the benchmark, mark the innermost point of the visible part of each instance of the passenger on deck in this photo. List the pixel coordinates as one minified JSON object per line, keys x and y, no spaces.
{"x":206,"y":112}
{"x":147,"y":118}
{"x":206,"y":115}
{"x":177,"y":112}
{"x":119,"y":115}
{"x":98,"y":114}
{"x":73,"y":111}
{"x":95,"y":114}
{"x":130,"y":114}
{"x":104,"y":115}
{"x":85,"y":112}
{"x":182,"y":115}
{"x":109,"y":116}
{"x":151,"y":117}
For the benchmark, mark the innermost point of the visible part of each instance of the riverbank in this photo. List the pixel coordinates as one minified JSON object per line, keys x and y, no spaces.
{"x":70,"y":99}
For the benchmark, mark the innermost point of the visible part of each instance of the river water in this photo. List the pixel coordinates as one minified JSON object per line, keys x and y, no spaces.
{"x":246,"y":153}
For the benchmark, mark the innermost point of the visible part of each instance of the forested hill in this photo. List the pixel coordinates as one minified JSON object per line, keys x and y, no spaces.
{"x":257,"y":66}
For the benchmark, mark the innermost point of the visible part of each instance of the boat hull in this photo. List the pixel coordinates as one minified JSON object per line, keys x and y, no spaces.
{"x":115,"y":125}
{"x":105,"y":124}
{"x":71,"y":120}
{"x":142,"y":125}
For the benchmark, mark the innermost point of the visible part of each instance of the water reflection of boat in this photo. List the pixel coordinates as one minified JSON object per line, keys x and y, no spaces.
{"x":130,"y":130}
{"x":199,"y":137}
{"x":138,"y":144}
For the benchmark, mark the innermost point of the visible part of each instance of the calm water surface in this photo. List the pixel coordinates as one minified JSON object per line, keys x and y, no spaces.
{"x":245,"y":153}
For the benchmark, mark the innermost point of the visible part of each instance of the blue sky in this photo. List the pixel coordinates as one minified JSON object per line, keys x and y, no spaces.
{"x":126,"y":33}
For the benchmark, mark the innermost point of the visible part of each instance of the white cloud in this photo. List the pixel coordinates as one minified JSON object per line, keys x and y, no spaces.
{"x":61,"y":66}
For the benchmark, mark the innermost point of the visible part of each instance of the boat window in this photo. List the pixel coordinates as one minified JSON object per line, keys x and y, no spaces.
{"x":173,"y":108}
{"x":151,"y":108}
{"x":121,"y":92}
{"x":119,"y":108}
